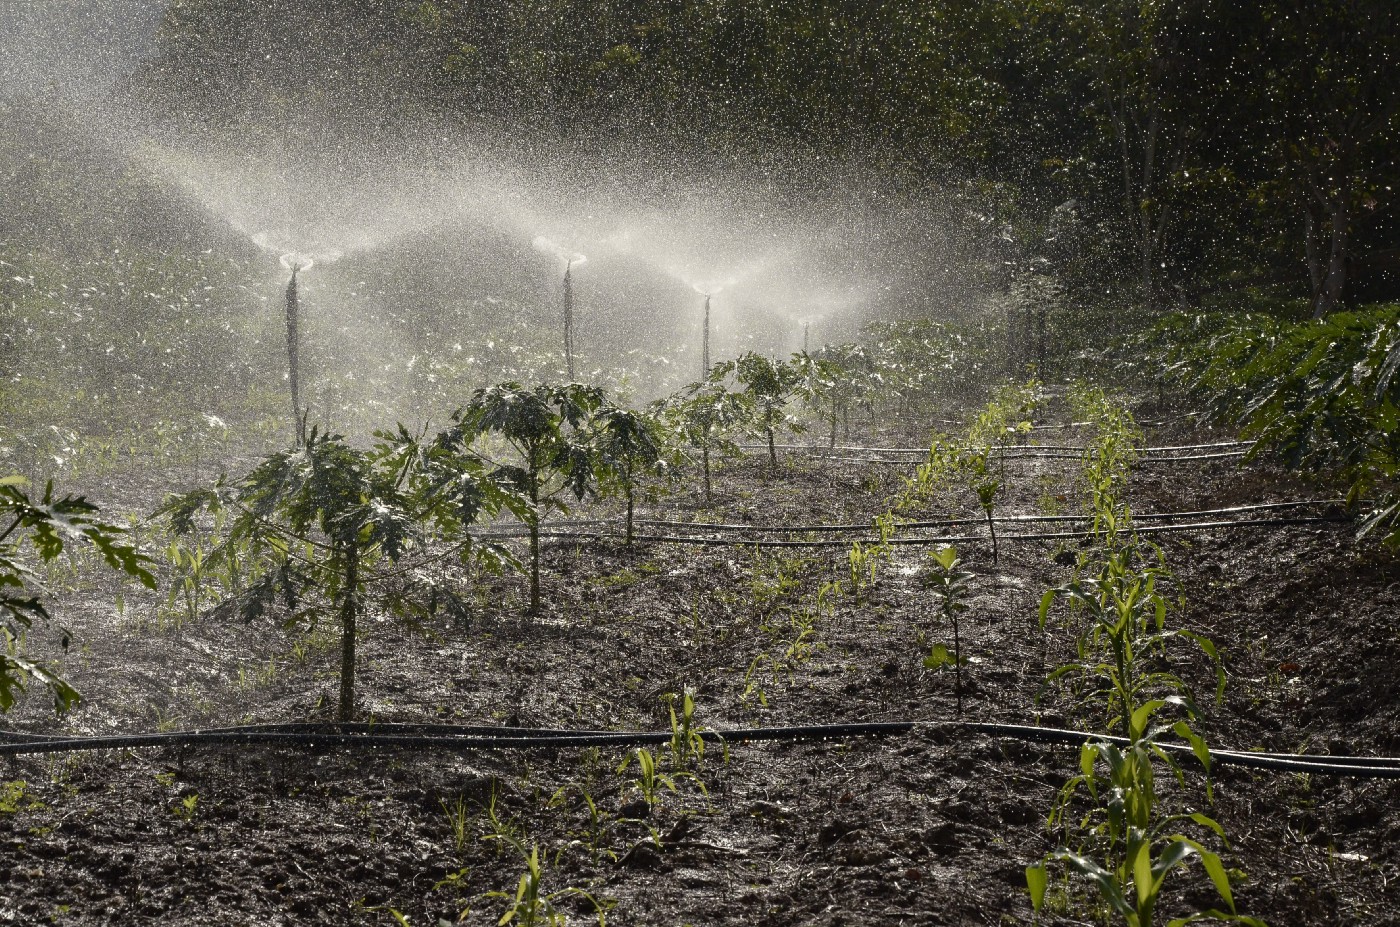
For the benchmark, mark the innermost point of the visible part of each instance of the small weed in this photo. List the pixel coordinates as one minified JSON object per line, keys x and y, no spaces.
{"x":185,"y":810}
{"x":457,"y":821}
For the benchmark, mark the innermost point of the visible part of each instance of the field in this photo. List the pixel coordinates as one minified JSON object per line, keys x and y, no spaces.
{"x":935,"y":824}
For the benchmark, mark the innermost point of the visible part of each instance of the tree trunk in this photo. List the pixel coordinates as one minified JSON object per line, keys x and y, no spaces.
{"x":705,"y":464}
{"x":348,"y":607}
{"x":832,"y":442}
{"x":534,"y":539}
{"x":1335,"y":281}
{"x":957,"y":664}
{"x":772,"y":450}
{"x":629,"y":509}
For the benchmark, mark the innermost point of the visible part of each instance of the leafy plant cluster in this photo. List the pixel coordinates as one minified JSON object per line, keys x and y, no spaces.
{"x":38,"y":530}
{"x":1127,"y":838}
{"x":1323,"y":395}
{"x":319,"y":532}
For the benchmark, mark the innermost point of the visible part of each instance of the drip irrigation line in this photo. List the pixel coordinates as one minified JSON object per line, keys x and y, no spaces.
{"x":967,"y":520}
{"x":387,"y":736}
{"x":1032,"y":454}
{"x":1140,"y":458}
{"x":1001,"y":449}
{"x":1360,"y":767}
{"x":927,"y":541}
{"x":448,"y":737}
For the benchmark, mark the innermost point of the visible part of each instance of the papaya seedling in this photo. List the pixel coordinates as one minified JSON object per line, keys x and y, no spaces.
{"x":320,"y":515}
{"x":546,"y":427}
{"x":705,"y":417}
{"x":769,"y":385}
{"x":626,"y":446}
{"x":50,"y":525}
{"x":950,"y":587}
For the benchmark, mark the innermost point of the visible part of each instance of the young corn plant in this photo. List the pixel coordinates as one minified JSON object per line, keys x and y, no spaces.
{"x":687,"y":745}
{"x":1123,"y":636}
{"x":1132,"y":847}
{"x":651,"y":780}
{"x":1130,"y":844}
{"x":532,"y":906}
{"x":950,"y":587}
{"x":1107,"y":461}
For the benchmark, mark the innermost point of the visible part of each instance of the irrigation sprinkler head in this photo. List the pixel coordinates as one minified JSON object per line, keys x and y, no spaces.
{"x":549,"y":246}
{"x":296,"y":262}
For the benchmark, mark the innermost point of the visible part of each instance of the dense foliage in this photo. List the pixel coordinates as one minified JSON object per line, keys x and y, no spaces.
{"x":47,"y":526}
{"x":1177,"y":145}
{"x":1324,"y":394}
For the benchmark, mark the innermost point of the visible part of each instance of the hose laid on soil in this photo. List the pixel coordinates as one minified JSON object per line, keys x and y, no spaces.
{"x":448,"y":737}
{"x":998,"y":448}
{"x":902,"y":526}
{"x":926,"y":541}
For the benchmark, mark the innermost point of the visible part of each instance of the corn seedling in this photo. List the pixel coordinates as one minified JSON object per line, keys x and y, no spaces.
{"x":1125,"y":629}
{"x":1131,"y":845}
{"x":458,"y":819}
{"x":687,"y":746}
{"x":650,"y":780}
{"x":531,"y":906}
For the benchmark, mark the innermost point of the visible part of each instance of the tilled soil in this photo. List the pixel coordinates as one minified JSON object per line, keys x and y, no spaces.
{"x":934,"y":827}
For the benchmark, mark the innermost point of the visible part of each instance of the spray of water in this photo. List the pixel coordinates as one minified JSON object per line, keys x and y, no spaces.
{"x":426,"y":252}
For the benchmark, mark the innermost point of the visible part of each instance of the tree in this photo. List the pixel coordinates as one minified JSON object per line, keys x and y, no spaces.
{"x":546,"y":427}
{"x":317,"y":517}
{"x":49,"y":525}
{"x":705,"y":416}
{"x":1330,"y":98}
{"x":840,"y":376}
{"x":769,"y":386}
{"x":626,"y":446}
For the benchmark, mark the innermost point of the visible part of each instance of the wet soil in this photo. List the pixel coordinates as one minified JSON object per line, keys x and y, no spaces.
{"x":929,"y":828}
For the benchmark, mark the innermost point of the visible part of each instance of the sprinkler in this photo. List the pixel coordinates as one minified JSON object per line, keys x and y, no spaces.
{"x":298,"y":416}
{"x":708,"y":292}
{"x":569,"y":319}
{"x":570,"y":258}
{"x":705,"y":344}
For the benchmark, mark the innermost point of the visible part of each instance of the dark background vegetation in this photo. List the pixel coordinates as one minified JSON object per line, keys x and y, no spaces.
{"x":1162,"y":150}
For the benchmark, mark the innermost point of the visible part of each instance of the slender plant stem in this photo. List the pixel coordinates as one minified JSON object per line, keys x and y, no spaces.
{"x":347,"y":630}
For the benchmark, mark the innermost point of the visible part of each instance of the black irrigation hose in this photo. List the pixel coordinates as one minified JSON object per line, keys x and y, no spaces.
{"x":328,"y":736}
{"x":926,"y":541}
{"x":998,"y":448}
{"x":700,"y":526}
{"x":447,"y":737}
{"x":1360,"y":767}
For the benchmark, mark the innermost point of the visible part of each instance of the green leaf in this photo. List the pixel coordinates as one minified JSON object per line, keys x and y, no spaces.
{"x":938,"y":657}
{"x":1037,"y":880}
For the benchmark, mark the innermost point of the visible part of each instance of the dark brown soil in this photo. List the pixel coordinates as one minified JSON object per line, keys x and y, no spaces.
{"x":928,"y":828}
